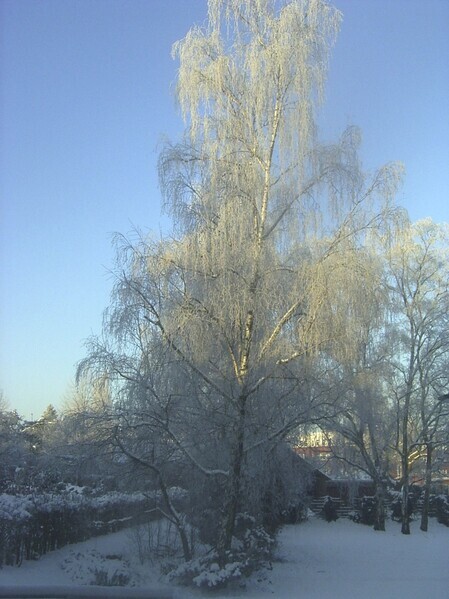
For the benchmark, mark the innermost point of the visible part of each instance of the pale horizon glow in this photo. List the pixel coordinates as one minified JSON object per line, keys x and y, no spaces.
{"x":87,"y":97}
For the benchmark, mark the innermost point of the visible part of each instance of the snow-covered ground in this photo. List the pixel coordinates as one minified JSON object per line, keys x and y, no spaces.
{"x":316,"y":560}
{"x":341,"y":559}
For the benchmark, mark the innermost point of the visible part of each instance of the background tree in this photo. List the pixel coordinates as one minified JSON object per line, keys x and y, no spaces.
{"x":361,"y":427}
{"x":12,"y":443}
{"x":365,"y":422}
{"x":417,"y":281}
{"x":82,"y":447}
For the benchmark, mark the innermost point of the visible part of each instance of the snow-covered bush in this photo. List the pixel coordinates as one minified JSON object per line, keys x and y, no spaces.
{"x":93,"y":568}
{"x":15,"y":518}
{"x":252,"y":548}
{"x":396,"y":506}
{"x":294,"y":513}
{"x":330,"y":510}
{"x":368,"y":510}
{"x":15,"y":508}
{"x":206,"y":572}
{"x":442,"y":509}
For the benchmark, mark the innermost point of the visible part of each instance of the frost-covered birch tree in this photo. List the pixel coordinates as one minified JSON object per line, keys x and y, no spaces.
{"x":238,"y":302}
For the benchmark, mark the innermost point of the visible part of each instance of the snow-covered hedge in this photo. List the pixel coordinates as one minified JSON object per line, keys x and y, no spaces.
{"x":31,"y":525}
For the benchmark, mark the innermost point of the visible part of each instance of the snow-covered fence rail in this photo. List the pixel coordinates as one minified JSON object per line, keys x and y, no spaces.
{"x":31,"y":525}
{"x":76,"y":592}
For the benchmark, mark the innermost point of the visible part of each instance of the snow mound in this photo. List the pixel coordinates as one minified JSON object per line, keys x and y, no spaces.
{"x":92,"y":568}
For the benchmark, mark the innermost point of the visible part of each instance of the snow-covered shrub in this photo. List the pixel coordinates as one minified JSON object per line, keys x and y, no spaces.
{"x":354,"y":515}
{"x":206,"y":572}
{"x":294,"y":513}
{"x":15,"y":508}
{"x":330,"y":509}
{"x":15,"y":519}
{"x":93,"y":568}
{"x":396,"y":506}
{"x":442,"y":509}
{"x":251,"y":549}
{"x":104,"y":579}
{"x":368,"y":506}
{"x":258,"y":546}
{"x":244,"y":522}
{"x":254,"y":539}
{"x":211,"y":572}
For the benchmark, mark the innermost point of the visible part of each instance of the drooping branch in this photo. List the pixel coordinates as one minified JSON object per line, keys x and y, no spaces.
{"x":172,"y":515}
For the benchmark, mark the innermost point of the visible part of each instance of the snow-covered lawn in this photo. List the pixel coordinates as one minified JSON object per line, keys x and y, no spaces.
{"x":316,"y":560}
{"x":341,"y":559}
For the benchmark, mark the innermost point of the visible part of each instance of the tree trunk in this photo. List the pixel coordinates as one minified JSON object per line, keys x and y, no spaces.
{"x":405,"y":526}
{"x":172,"y":515}
{"x":233,"y":498}
{"x":186,"y":549}
{"x":428,"y":482}
{"x":379,"y":523}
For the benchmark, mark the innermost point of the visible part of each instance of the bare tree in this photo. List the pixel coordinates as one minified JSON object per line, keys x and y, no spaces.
{"x":84,"y":431}
{"x":365,"y":423}
{"x":417,"y":281}
{"x":363,"y":413}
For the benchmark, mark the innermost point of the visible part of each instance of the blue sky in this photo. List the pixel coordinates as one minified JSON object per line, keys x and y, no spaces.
{"x":86,"y":99}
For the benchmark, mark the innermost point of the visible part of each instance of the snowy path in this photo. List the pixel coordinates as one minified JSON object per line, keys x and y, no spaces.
{"x":340,"y":560}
